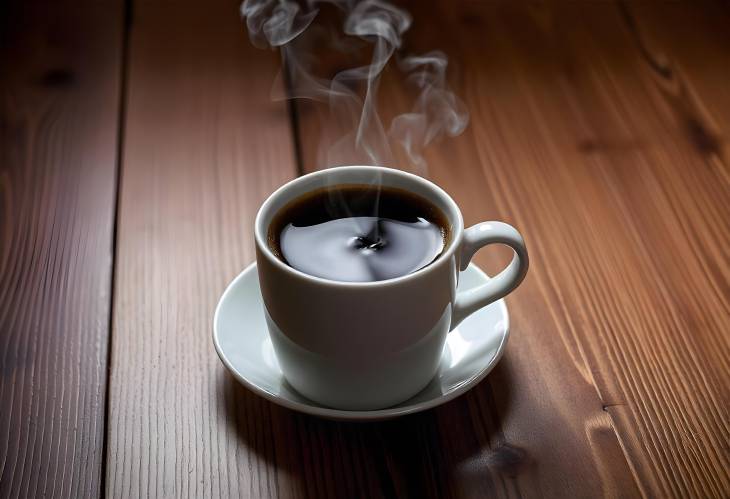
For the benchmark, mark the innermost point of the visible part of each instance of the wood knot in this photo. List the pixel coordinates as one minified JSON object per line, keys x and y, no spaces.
{"x":508,"y":459}
{"x":704,"y":140}
{"x":58,"y":78}
{"x":587,"y":146}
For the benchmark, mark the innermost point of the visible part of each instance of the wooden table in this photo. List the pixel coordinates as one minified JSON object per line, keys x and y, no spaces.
{"x":137,"y":141}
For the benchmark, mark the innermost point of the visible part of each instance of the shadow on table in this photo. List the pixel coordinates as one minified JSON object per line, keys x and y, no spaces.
{"x":456,"y":450}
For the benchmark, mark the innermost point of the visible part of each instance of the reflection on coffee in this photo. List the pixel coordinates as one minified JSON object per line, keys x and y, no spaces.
{"x":358,"y":233}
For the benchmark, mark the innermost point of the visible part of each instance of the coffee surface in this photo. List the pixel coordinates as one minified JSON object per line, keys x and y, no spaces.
{"x":358,"y":233}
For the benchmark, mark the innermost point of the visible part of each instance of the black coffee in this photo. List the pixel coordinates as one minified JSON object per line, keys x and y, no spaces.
{"x":358,"y":233}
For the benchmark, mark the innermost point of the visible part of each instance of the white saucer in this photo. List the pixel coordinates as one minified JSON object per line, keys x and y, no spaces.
{"x":242,"y":342}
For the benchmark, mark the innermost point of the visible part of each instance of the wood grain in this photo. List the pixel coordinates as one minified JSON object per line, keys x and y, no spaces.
{"x":59,"y":91}
{"x":613,"y":166}
{"x":600,"y":131}
{"x":203,"y":148}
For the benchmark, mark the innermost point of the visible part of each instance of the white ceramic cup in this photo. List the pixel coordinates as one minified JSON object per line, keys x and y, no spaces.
{"x":370,"y":345}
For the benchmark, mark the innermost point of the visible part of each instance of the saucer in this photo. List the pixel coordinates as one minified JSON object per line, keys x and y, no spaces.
{"x":242,"y":341}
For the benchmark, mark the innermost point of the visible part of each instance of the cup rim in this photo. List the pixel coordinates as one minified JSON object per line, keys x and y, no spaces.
{"x":260,"y":233}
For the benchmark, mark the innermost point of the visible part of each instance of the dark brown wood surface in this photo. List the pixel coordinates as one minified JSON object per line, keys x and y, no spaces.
{"x":599,"y":129}
{"x":204,"y":146}
{"x":60,"y":68}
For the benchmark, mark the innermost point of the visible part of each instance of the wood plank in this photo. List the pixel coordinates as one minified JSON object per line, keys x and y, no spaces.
{"x":204,"y":146}
{"x":59,"y":109}
{"x":615,"y":380}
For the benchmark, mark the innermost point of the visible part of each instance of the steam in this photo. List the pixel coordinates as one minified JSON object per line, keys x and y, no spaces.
{"x":352,"y":93}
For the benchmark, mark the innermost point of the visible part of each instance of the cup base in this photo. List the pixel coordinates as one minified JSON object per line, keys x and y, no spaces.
{"x":242,"y":342}
{"x":360,"y":384}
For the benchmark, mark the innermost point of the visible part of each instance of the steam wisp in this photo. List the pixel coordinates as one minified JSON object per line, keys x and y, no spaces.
{"x":351,"y":93}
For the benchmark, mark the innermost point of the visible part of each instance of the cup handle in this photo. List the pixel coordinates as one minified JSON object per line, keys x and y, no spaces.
{"x":475,"y":238}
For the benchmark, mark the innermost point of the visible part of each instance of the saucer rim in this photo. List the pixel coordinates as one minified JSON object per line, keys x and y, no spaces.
{"x":345,"y":415}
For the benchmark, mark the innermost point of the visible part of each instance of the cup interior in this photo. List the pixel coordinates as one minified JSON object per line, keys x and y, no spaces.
{"x":362,"y":175}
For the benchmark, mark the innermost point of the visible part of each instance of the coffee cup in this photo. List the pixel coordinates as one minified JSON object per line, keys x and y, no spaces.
{"x":371,"y":345}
